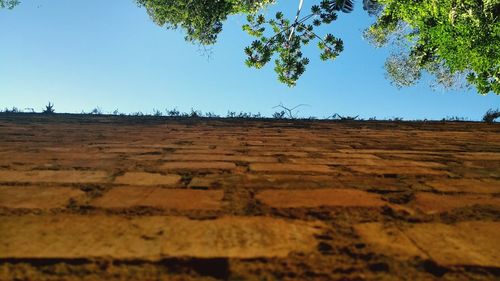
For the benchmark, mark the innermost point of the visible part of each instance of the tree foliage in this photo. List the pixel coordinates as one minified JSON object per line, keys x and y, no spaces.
{"x":9,"y":4}
{"x":453,"y":40}
{"x":456,"y":41}
{"x":287,"y":39}
{"x":202,"y":20}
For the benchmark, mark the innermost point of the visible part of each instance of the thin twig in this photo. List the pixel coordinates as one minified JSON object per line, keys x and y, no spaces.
{"x":296,"y":19}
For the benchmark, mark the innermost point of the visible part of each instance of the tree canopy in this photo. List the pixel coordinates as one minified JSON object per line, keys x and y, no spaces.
{"x":9,"y":4}
{"x":202,"y":20}
{"x":450,"y":39}
{"x":456,"y":41}
{"x":287,"y":38}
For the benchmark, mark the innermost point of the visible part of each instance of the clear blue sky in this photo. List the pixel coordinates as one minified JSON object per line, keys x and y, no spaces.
{"x":108,"y":54}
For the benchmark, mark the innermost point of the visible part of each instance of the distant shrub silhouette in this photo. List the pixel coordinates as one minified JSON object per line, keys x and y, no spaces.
{"x":283,"y":113}
{"x":279,"y":114}
{"x":157,"y":113}
{"x":96,"y":111}
{"x":491,"y":115}
{"x":13,"y":110}
{"x":337,"y":116}
{"x":49,"y":109}
{"x":173,"y":113}
{"x":195,"y":113}
{"x":455,"y":119}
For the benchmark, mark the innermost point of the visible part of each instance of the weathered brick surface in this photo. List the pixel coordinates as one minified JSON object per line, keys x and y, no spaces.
{"x":319,"y":197}
{"x":480,"y":156}
{"x":431,"y":203}
{"x":152,"y":238}
{"x":398,"y":170}
{"x":389,"y":241}
{"x":198,"y":166}
{"x":35,"y":197}
{"x":466,"y":243}
{"x":471,"y":243}
{"x":181,"y":199}
{"x":141,"y":178}
{"x":290,"y":168}
{"x":54,"y":176}
{"x":255,"y":199}
{"x":466,"y":185}
{"x":219,"y":158}
{"x":356,"y":160}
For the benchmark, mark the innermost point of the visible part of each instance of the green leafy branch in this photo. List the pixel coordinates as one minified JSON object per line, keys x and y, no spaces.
{"x":288,"y":38}
{"x":9,"y":4}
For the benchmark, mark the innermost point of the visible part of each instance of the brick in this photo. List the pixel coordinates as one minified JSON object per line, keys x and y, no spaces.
{"x":406,"y":163}
{"x":388,"y":240}
{"x":418,"y":157}
{"x":278,"y":148}
{"x":279,"y":153}
{"x":34,"y":197}
{"x":264,"y":181}
{"x":205,"y":150}
{"x":385,"y":151}
{"x":480,"y":156}
{"x":205,"y":181}
{"x":38,"y":176}
{"x":289,"y":168}
{"x":130,"y":150}
{"x":383,"y":170}
{"x":368,"y":162}
{"x":350,"y":155}
{"x":198,"y":166}
{"x":58,"y":159}
{"x":181,"y":199}
{"x":327,"y":161}
{"x":220,"y":157}
{"x":319,"y":197}
{"x":483,"y":164}
{"x":472,"y":243}
{"x":465,"y":185}
{"x":288,"y":181}
{"x":368,"y":182}
{"x":153,"y":237}
{"x":141,"y":178}
{"x":58,"y":149}
{"x":431,"y":203}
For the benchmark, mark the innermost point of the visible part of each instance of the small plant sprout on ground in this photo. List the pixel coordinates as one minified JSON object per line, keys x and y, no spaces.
{"x":284,"y":112}
{"x":49,"y":109}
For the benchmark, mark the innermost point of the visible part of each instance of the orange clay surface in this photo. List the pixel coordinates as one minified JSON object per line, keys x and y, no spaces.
{"x":149,"y":198}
